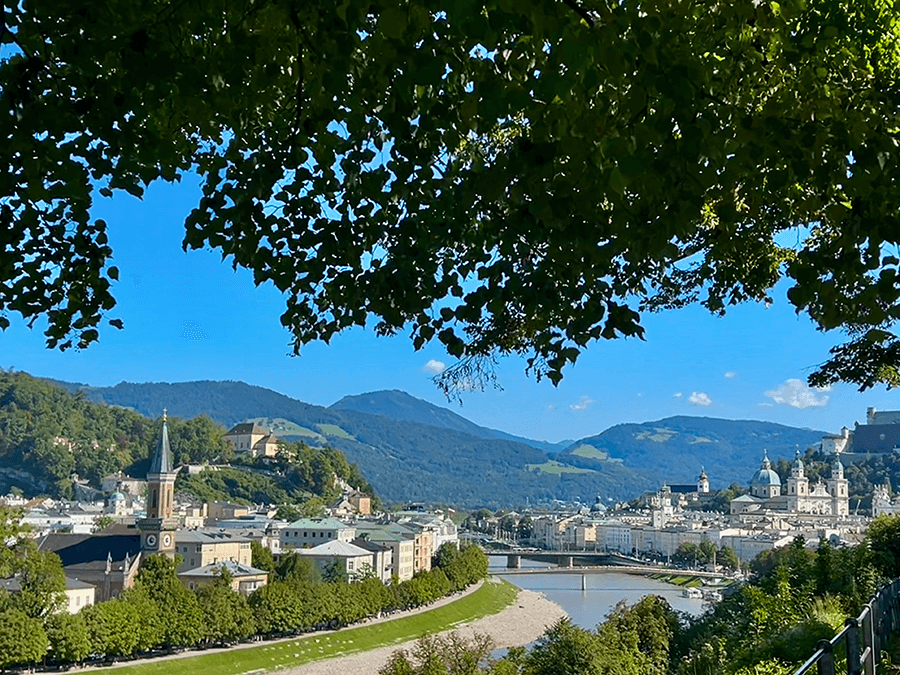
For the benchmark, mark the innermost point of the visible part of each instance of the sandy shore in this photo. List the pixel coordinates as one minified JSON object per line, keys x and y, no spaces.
{"x":522,"y":622}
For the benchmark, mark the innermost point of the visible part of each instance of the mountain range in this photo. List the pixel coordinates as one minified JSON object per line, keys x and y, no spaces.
{"x":411,"y":450}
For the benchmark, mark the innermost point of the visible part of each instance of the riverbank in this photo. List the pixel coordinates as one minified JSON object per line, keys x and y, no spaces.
{"x":519,"y":624}
{"x":489,"y":598}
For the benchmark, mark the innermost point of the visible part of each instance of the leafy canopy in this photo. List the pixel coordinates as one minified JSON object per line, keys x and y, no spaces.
{"x":500,"y":176}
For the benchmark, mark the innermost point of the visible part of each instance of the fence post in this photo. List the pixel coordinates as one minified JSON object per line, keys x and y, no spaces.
{"x":869,"y":638}
{"x":853,"y":665}
{"x":825,"y":666}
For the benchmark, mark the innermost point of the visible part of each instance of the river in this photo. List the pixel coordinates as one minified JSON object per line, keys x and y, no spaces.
{"x":589,"y":607}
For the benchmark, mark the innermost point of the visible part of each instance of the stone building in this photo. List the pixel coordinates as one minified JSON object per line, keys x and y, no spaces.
{"x":798,"y":497}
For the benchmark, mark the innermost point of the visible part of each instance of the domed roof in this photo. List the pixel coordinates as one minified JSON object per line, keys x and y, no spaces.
{"x":117,"y":497}
{"x":798,"y":462}
{"x":765,"y":475}
{"x":837,"y":467}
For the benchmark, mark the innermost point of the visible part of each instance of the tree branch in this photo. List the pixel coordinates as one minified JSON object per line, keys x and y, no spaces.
{"x":580,"y":11}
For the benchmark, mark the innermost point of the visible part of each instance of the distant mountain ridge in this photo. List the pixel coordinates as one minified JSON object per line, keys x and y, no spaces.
{"x":410,"y":449}
{"x":399,"y":405}
{"x":403,"y":460}
{"x":728,"y":450}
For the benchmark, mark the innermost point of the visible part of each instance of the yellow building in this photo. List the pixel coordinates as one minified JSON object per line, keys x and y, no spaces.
{"x":199,"y":548}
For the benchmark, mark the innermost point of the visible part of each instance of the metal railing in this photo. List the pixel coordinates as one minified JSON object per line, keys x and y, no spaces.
{"x":862,"y":638}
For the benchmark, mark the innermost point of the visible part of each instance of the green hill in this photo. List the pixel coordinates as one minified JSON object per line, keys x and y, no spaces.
{"x":403,"y":460}
{"x":675,"y":449}
{"x":412,"y":450}
{"x":48,"y":433}
{"x":399,"y":405}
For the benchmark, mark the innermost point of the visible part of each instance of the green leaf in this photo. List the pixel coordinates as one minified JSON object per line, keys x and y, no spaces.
{"x":392,"y":23}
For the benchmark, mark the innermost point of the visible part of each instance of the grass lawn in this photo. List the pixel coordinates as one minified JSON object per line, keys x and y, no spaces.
{"x":334,"y":430}
{"x":590,"y":452}
{"x":551,"y":466}
{"x":489,"y":599}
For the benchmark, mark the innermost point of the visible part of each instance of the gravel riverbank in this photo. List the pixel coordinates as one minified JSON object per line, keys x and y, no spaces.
{"x":522,"y":622}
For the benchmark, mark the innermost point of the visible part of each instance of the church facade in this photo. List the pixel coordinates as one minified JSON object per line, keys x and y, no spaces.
{"x":797,"y":496}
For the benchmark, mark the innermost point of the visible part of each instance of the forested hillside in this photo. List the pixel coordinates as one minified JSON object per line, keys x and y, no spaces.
{"x":47,"y":434}
{"x":399,"y":405}
{"x":404,"y":460}
{"x":676,"y":448}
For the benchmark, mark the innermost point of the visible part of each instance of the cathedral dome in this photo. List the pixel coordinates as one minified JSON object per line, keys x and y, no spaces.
{"x":765,"y":475}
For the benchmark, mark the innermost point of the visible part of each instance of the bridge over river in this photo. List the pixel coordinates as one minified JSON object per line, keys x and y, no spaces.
{"x":569,"y":561}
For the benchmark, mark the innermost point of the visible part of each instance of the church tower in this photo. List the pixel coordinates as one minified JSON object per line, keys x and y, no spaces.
{"x":158,"y":528}
{"x":837,"y":488}
{"x":798,"y":487}
{"x":703,"y":482}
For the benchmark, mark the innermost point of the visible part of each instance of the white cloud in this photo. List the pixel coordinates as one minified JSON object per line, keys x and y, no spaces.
{"x":699,"y":398}
{"x":583,"y":404}
{"x":435,"y":367}
{"x":797,"y":394}
{"x":730,"y":375}
{"x":677,"y":394}
{"x":551,"y":408}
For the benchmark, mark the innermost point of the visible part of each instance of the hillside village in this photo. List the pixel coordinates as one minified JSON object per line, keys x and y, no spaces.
{"x":103,"y":544}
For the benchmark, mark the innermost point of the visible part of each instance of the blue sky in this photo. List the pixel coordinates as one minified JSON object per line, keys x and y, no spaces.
{"x":189,"y":316}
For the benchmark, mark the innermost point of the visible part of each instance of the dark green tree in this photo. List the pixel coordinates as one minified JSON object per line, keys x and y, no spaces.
{"x":179,"y":611}
{"x":114,"y":628}
{"x":461,"y":171}
{"x":22,"y":639}
{"x":277,"y":608}
{"x":883,"y":537}
{"x":565,"y":649}
{"x":151,"y":629}
{"x":261,"y":557}
{"x":68,"y":637}
{"x":226,"y":614}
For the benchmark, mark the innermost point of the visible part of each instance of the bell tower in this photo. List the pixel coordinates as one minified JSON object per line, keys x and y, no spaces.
{"x":158,"y":528}
{"x":838,"y":488}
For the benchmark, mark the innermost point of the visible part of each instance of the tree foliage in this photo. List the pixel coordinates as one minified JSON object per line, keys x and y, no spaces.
{"x":179,"y":612}
{"x":22,"y":639}
{"x":68,"y":637}
{"x":114,"y":627}
{"x":226,"y":614}
{"x":38,"y":574}
{"x":495,"y":176}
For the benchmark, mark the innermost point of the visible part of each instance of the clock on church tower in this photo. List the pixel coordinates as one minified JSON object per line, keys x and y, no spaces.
{"x":158,"y":528}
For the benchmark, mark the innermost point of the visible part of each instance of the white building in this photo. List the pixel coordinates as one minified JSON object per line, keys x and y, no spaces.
{"x":310,"y":532}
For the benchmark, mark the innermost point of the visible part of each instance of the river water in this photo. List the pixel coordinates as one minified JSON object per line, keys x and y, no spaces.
{"x":604,"y":590}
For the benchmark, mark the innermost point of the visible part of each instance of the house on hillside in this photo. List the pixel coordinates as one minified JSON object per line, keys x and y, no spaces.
{"x":249,"y":437}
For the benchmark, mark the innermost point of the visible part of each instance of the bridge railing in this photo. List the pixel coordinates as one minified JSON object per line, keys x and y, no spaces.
{"x":862,"y":638}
